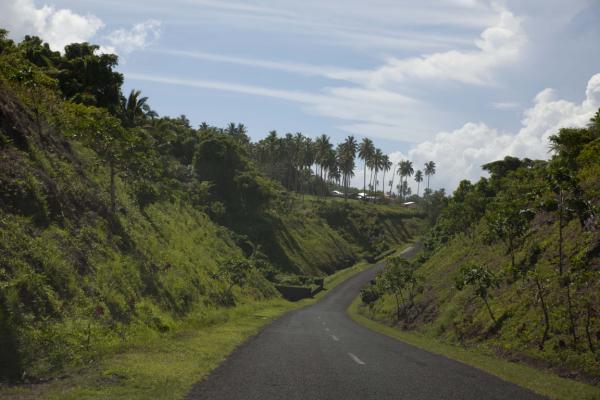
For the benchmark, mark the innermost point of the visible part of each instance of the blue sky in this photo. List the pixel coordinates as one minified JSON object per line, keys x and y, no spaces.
{"x":461,"y":82}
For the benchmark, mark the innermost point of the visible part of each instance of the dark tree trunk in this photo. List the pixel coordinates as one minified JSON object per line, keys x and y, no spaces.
{"x":113,"y":195}
{"x":546,"y":314}
{"x":489,"y":309}
{"x":587,"y":327}
{"x":571,"y":316}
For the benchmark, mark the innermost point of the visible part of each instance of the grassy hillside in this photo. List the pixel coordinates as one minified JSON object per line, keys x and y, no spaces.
{"x":114,"y":234}
{"x":512,"y":267}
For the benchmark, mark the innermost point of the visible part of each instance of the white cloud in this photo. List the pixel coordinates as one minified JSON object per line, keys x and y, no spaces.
{"x":57,"y":27}
{"x":292,"y":67}
{"x":60,"y":27}
{"x":297,"y":96}
{"x":459,"y":154}
{"x":374,"y":101}
{"x":505,"y":105}
{"x":138,"y":37}
{"x":497,"y":45}
{"x":395,"y":158}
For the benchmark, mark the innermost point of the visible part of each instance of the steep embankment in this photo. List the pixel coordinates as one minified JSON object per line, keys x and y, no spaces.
{"x":516,"y":302}
{"x":78,"y":280}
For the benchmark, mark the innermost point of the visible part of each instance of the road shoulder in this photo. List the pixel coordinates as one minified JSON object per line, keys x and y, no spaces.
{"x":539,"y":381}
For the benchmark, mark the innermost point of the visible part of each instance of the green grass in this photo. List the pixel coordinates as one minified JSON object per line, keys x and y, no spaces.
{"x":165,"y":367}
{"x":539,"y":381}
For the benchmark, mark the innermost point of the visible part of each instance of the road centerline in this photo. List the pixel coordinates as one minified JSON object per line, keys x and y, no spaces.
{"x":356,"y":359}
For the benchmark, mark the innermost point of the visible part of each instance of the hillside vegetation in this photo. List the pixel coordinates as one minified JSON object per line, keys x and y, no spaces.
{"x":117,"y":225}
{"x":512,"y":266}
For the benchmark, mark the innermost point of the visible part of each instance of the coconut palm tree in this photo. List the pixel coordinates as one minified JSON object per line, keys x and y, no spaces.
{"x":429,"y":170}
{"x":134,"y":108}
{"x":323,"y":148}
{"x":398,"y":171}
{"x":377,"y":166}
{"x":366,"y":150}
{"x":406,"y":170}
{"x":386,"y":166}
{"x":346,"y":155}
{"x":418,"y":179}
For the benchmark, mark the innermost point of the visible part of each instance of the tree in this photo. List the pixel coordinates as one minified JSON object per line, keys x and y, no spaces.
{"x":406,"y":170}
{"x":418,"y":179}
{"x":509,"y":221}
{"x":238,"y":132}
{"x":134,"y":109}
{"x":234,"y":272}
{"x":386,"y":165}
{"x":366,"y":150}
{"x":529,"y":272}
{"x":323,"y":148}
{"x":409,"y":171}
{"x":89,"y":78}
{"x":481,"y":279}
{"x":377,"y":165}
{"x":346,"y":153}
{"x":396,"y":170}
{"x":399,"y":279}
{"x":104,"y":134}
{"x":369,"y":296}
{"x":429,"y":171}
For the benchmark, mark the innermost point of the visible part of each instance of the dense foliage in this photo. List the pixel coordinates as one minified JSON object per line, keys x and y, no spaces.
{"x":117,"y":224}
{"x":513,"y":261}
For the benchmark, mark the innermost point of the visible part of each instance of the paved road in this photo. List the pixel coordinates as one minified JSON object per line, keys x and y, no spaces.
{"x":318,"y":352}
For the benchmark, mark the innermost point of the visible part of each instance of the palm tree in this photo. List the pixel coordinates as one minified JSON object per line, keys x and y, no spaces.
{"x":366,"y":150}
{"x":386,"y":165}
{"x":406,"y":170}
{"x":409,"y":171}
{"x":323,"y":149}
{"x":429,"y":170}
{"x":346,"y":155}
{"x":377,"y":166}
{"x":418,"y":179}
{"x":331,"y":166}
{"x":134,"y":108}
{"x":397,"y":172}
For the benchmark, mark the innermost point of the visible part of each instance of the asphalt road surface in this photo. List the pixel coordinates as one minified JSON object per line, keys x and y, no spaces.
{"x":318,"y":352}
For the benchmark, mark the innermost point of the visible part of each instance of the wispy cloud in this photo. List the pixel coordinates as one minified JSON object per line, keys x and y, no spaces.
{"x":497,"y":46}
{"x":297,"y":96}
{"x":505,"y":105}
{"x":379,"y":112}
{"x":297,"y":68}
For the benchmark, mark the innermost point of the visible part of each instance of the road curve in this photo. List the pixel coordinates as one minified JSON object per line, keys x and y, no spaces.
{"x":318,"y":352}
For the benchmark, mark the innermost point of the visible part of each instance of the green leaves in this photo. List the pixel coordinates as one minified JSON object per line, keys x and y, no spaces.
{"x":479,"y":277}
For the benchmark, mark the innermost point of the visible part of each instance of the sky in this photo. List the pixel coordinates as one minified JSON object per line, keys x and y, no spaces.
{"x":459,"y":82}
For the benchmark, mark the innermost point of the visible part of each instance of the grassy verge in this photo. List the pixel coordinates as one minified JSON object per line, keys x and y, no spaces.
{"x":165,"y":367}
{"x":539,"y":381}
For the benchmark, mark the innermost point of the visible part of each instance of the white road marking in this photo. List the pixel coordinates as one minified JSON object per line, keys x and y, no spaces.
{"x":335,"y":338}
{"x":356,"y":359}
{"x":409,"y":248}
